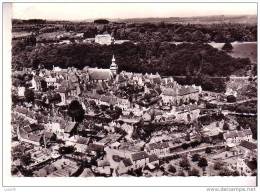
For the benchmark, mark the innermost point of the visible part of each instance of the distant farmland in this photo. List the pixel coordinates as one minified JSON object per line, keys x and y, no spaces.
{"x":241,"y":49}
{"x":244,"y":50}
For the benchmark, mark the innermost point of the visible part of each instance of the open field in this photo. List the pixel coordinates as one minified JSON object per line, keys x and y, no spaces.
{"x":241,"y":49}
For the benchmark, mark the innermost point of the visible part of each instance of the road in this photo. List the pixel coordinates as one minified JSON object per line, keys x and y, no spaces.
{"x":237,"y":102}
{"x":223,"y":77}
{"x":192,"y":150}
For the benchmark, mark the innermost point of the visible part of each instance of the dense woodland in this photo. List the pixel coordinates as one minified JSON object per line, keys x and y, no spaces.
{"x":159,"y":31}
{"x":162,"y":57}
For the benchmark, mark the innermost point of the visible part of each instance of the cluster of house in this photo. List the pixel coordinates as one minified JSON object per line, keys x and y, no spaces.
{"x":236,"y":137}
{"x":168,"y":102}
{"x":73,"y":84}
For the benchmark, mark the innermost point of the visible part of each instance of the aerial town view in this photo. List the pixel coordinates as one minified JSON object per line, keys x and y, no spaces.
{"x":137,"y":97}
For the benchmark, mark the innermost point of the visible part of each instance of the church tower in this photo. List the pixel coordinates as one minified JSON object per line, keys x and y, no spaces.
{"x":113,"y":66}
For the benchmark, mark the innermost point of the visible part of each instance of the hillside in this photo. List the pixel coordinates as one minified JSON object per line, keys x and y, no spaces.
{"x":244,"y":19}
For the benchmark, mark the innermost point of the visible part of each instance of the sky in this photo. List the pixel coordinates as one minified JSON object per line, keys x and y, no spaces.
{"x":81,"y":11}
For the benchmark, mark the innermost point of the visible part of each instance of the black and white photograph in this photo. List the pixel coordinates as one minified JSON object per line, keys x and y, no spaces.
{"x":133,"y":90}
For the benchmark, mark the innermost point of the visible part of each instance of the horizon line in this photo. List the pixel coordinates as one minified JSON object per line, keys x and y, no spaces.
{"x":114,"y":18}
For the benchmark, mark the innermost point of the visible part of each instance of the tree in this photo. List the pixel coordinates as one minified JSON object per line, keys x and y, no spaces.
{"x":195,"y":157}
{"x":238,"y":128}
{"x":185,"y":163}
{"x":44,"y":85}
{"x":101,"y":21}
{"x":208,"y":150}
{"x":203,"y":162}
{"x":181,"y":173}
{"x":29,"y":95}
{"x":66,"y":150}
{"x":235,"y":173}
{"x":227,"y":47}
{"x":172,"y":169}
{"x":76,"y":111}
{"x":194,"y":143}
{"x":26,"y":159}
{"x":218,"y":165}
{"x":225,"y":172}
{"x":187,"y":137}
{"x":231,"y":98}
{"x":185,"y":146}
{"x":194,"y":172}
{"x":17,"y":151}
{"x":226,"y":126}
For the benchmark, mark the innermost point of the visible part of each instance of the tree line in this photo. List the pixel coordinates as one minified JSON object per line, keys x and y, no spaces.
{"x":148,"y":31}
{"x":197,"y":61}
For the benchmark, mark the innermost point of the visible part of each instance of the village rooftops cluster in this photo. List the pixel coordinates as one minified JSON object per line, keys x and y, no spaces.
{"x":123,"y":122}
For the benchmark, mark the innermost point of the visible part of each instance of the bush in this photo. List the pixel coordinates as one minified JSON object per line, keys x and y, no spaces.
{"x":185,"y":146}
{"x":231,"y":99}
{"x":194,"y":172}
{"x":181,"y":173}
{"x":195,"y":157}
{"x":227,"y":47}
{"x":208,"y":150}
{"x":226,"y":126}
{"x":203,"y":162}
{"x":172,"y":169}
{"x":185,"y":163}
{"x":218,"y":166}
{"x":225,"y":172}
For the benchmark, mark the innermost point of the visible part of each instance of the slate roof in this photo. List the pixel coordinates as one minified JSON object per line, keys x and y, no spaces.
{"x":69,"y":127}
{"x":27,"y":128}
{"x":248,"y":145}
{"x":169,"y":92}
{"x":247,"y":131}
{"x":241,"y":134}
{"x":153,"y":158}
{"x":121,"y":78}
{"x":96,"y":147}
{"x":231,"y":134}
{"x":93,"y":95}
{"x":163,"y":145}
{"x":187,"y":90}
{"x":103,"y":163}
{"x":33,"y":137}
{"x":73,"y":78}
{"x":127,"y":162}
{"x":139,"y":155}
{"x":48,"y":134}
{"x":100,"y":74}
{"x":109,"y":99}
{"x":21,"y":109}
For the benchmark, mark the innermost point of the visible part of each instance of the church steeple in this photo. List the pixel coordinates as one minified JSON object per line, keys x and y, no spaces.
{"x":113,"y":59}
{"x":113,"y":66}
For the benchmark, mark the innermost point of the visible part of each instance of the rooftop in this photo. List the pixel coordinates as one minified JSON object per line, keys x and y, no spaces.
{"x":187,"y":90}
{"x":153,"y":158}
{"x":69,"y":127}
{"x":248,"y":145}
{"x":100,"y":74}
{"x":139,"y":156}
{"x":127,"y":162}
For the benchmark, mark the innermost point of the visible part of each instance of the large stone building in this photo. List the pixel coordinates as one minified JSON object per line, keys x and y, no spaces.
{"x":175,"y":94}
{"x":104,"y":39}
